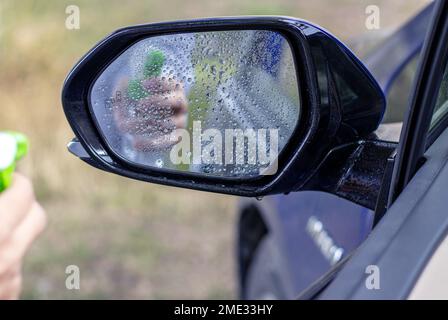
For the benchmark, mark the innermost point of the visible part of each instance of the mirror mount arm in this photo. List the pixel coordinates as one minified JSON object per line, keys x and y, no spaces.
{"x":355,"y":172}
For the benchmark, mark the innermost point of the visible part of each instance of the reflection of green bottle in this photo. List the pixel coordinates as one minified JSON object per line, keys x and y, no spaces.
{"x":13,"y":146}
{"x":152,"y":68}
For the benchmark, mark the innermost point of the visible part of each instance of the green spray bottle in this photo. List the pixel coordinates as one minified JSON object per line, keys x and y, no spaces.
{"x":152,"y":68}
{"x":13,"y":147}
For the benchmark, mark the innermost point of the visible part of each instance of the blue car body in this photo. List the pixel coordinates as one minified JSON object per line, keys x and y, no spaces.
{"x":297,"y":254}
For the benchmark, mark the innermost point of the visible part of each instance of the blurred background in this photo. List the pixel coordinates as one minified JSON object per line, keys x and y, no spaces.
{"x":129,"y":239}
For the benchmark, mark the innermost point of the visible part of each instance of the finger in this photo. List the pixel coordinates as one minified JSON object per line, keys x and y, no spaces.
{"x":146,"y":110}
{"x":147,"y":126}
{"x":159,"y":90}
{"x":10,"y":289}
{"x":152,"y":126}
{"x":166,"y":104}
{"x":180,"y":121}
{"x":160,"y":85}
{"x":14,"y":248}
{"x":145,"y":144}
{"x":154,"y":114}
{"x":15,"y":203}
{"x":33,"y":225}
{"x":9,"y":268}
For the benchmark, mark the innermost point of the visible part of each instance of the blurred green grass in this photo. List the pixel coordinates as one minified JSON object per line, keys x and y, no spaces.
{"x":130,"y":240}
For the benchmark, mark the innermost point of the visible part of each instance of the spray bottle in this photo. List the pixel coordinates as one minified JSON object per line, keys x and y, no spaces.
{"x":13,"y":147}
{"x":152,"y":68}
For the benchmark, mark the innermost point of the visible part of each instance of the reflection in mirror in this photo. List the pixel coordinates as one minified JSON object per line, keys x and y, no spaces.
{"x":221,"y":103}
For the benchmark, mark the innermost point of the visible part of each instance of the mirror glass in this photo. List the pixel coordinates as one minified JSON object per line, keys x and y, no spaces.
{"x":222,"y":103}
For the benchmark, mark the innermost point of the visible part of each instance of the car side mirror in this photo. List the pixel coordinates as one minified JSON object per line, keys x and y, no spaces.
{"x":247,"y":106}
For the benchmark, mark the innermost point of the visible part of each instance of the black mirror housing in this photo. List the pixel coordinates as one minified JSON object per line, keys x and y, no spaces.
{"x":342,"y":105}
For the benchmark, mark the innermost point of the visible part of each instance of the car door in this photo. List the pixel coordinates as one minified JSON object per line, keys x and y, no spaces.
{"x":406,"y":244}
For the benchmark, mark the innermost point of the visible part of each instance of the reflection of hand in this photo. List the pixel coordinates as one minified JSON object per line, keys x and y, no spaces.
{"x":150,"y":121}
{"x":21,"y":220}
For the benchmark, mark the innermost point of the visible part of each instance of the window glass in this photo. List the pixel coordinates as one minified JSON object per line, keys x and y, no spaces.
{"x":398,"y":102}
{"x":441,"y":107}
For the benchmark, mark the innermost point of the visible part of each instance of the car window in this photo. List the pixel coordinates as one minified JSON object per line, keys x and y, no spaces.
{"x":441,"y":107}
{"x":398,"y":102}
{"x":398,"y":95}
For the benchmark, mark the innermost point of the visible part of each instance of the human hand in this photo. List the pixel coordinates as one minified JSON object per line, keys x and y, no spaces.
{"x":151,"y":120}
{"x":22,"y":219}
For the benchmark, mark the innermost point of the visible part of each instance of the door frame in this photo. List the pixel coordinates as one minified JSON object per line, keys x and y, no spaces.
{"x":413,"y":142}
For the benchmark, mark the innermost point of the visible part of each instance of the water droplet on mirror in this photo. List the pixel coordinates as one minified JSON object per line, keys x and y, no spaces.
{"x":159,"y":163}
